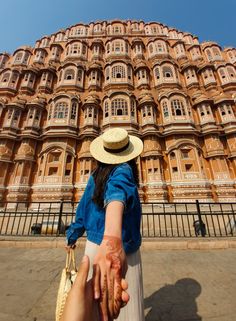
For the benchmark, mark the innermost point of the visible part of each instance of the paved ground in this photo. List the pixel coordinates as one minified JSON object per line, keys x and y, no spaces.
{"x":180,"y":285}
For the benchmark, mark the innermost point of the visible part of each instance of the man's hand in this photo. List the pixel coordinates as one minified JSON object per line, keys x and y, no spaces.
{"x":80,"y":304}
{"x":108,"y":285}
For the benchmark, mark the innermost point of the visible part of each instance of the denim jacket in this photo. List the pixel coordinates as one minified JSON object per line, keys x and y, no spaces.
{"x":89,"y":217}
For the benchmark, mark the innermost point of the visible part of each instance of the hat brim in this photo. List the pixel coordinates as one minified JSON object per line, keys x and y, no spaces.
{"x":133,"y":150}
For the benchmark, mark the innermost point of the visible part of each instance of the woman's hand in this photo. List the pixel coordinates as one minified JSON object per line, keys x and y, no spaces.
{"x":111,"y":262}
{"x":69,"y":247}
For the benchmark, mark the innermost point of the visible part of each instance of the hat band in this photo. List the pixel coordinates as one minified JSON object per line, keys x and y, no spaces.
{"x":119,"y":150}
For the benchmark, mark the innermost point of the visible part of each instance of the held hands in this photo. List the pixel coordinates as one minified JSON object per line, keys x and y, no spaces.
{"x":80,"y":304}
{"x":110,"y":267}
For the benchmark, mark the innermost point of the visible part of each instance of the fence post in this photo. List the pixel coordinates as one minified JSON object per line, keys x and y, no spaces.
{"x":60,"y":218}
{"x":202,"y":225}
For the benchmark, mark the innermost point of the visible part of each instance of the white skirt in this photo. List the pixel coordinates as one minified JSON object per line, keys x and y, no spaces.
{"x":134,"y":310}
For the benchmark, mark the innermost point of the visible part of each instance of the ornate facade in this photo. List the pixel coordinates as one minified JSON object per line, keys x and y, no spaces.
{"x":159,"y":83}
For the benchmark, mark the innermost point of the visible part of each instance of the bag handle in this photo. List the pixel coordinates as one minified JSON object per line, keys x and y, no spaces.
{"x":70,"y":260}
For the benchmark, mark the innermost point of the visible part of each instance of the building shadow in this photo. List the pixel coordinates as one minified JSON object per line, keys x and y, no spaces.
{"x":175,"y":302}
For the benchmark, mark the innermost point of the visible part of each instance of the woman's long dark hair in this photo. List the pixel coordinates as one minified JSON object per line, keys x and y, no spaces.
{"x":101,"y":174}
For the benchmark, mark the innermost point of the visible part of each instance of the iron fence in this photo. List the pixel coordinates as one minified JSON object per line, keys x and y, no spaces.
{"x":170,"y":220}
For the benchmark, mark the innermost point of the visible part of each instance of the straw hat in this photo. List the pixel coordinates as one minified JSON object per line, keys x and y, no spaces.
{"x":116,"y":146}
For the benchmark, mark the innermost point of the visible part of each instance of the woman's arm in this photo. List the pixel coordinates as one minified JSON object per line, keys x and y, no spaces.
{"x":113,"y":221}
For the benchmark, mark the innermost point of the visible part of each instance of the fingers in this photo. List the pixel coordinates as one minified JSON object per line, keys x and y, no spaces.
{"x":82,"y":274}
{"x":69,"y":247}
{"x":96,"y":281}
{"x":124,"y":284}
{"x":103,"y":299}
{"x":125,"y":298}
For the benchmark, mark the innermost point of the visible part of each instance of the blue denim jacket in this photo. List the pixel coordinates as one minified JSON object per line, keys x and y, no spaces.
{"x":89,"y":217}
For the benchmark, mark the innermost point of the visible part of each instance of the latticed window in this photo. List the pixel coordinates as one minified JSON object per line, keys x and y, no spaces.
{"x":177,"y":108}
{"x":75,"y":49}
{"x":80,"y":74}
{"x":106,"y":109}
{"x":79,"y":31}
{"x":231,"y":72}
{"x":119,"y":107}
{"x":15,"y":117}
{"x":50,"y":112}
{"x":160,"y":47}
{"x":6,"y":77}
{"x":157,"y":73}
{"x":118,"y":72}
{"x":107,"y":73}
{"x":167,"y":72}
{"x":117,"y":46}
{"x":216,"y":52}
{"x":132,"y":108}
{"x":222,"y":110}
{"x":60,"y":111}
{"x":172,"y":155}
{"x":209,"y":55}
{"x":10,"y":112}
{"x":117,"y":30}
{"x":19,"y":57}
{"x":73,"y":110}
{"x":151,"y":48}
{"x":90,"y":112}
{"x":222,"y":73}
{"x":37,"y":117}
{"x":84,"y":50}
{"x":165,"y":109}
{"x":31,"y":113}
{"x":69,"y":74}
{"x":226,"y":109}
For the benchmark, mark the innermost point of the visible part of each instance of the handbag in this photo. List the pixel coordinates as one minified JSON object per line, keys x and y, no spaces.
{"x":68,"y":276}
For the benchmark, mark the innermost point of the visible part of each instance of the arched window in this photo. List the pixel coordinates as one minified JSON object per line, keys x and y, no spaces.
{"x":106,"y":109}
{"x":68,"y":159}
{"x":19,"y":57}
{"x":132,"y":108}
{"x":167,"y":72}
{"x":6,"y":77}
{"x":60,"y":110}
{"x":117,"y":46}
{"x":157,"y":73}
{"x":172,"y":155}
{"x":160,"y":46}
{"x":73,"y":110}
{"x":165,"y":109}
{"x":69,"y":74}
{"x":209,"y":55}
{"x":216,"y":52}
{"x":50,"y":112}
{"x":80,"y":74}
{"x":177,"y":108}
{"x":222,"y":73}
{"x":118,"y":72}
{"x":231,"y":72}
{"x":119,"y":107}
{"x":107,"y":73}
{"x":150,"y":48}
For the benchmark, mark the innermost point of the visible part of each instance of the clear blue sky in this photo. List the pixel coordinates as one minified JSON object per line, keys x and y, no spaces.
{"x":22,"y":22}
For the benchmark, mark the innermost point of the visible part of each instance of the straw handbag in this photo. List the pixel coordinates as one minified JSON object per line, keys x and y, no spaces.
{"x":67,"y":279}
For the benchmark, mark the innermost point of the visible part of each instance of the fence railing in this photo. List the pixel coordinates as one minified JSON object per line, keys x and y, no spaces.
{"x":170,"y":220}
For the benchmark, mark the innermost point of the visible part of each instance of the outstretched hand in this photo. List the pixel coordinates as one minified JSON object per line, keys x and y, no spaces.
{"x":110,"y":267}
{"x":80,"y":305}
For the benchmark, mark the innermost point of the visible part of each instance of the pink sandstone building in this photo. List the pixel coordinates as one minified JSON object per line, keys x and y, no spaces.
{"x":161,"y":84}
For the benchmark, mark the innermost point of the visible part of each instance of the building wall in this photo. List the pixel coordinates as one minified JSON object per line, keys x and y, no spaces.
{"x":159,"y":83}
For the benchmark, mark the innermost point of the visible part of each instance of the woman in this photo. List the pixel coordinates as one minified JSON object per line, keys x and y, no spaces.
{"x":110,"y":213}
